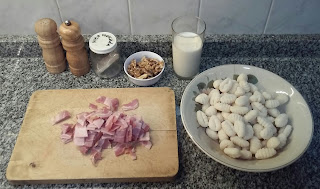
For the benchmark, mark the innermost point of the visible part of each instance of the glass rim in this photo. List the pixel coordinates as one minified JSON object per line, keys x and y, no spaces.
{"x":198,"y":18}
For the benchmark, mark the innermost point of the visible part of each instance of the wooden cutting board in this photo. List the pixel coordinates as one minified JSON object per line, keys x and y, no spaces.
{"x":39,"y":156}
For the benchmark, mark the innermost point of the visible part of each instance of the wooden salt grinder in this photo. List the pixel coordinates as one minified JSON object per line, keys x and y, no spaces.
{"x":73,"y":43}
{"x":49,"y":41}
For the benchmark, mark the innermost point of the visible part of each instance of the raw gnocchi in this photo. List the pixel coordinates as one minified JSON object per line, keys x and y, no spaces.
{"x":243,"y":119}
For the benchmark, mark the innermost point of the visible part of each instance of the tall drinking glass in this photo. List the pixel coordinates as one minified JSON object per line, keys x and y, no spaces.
{"x":188,"y":37}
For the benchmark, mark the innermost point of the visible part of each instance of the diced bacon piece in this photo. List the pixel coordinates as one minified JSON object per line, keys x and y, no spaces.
{"x":133,"y":154}
{"x":120,"y":135}
{"x":129,"y":134}
{"x":97,"y":148}
{"x":83,"y":114}
{"x":106,"y":136}
{"x":145,"y":137}
{"x":114,"y":127}
{"x":106,"y":144}
{"x":97,"y":137}
{"x":131,"y":106}
{"x":80,"y":131}
{"x":103,"y":115}
{"x":88,"y":143}
{"x":66,"y":136}
{"x":104,"y":130}
{"x":119,"y":149}
{"x":95,"y":156}
{"x":91,"y":127}
{"x":111,"y":120}
{"x":66,"y":127}
{"x":84,"y":149}
{"x":122,"y":123}
{"x":78,"y":141}
{"x":136,"y":132}
{"x":145,"y":127}
{"x":130,"y":119}
{"x":100,"y":142}
{"x":101,"y":99}
{"x":111,"y":103}
{"x":147,"y":144}
{"x":82,"y":120}
{"x":64,"y":115}
{"x":91,"y":135}
{"x":65,"y":141}
{"x":93,"y":107}
{"x":98,"y":123}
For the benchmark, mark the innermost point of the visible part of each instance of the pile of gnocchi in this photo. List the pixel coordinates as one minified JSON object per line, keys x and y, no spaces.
{"x":243,"y":119}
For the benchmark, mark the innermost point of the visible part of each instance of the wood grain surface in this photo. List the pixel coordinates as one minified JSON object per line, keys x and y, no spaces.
{"x":39,"y":156}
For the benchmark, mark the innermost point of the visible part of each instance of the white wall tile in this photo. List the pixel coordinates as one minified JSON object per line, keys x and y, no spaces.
{"x":156,"y":16}
{"x":97,"y":15}
{"x":19,"y":17}
{"x":235,"y":17}
{"x":294,"y":17}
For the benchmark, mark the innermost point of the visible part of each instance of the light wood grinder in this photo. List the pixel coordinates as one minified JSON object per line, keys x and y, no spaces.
{"x":49,"y":41}
{"x":73,"y":43}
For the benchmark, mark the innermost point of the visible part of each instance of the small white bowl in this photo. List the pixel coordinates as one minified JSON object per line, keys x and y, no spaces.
{"x":138,"y":56}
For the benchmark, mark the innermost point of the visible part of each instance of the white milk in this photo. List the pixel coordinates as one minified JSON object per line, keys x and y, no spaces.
{"x":186,"y":50}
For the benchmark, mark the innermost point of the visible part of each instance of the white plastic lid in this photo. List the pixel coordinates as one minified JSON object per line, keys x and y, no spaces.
{"x":102,"y":43}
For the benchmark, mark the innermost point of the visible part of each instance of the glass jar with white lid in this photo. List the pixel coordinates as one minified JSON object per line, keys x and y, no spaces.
{"x":105,"y":55}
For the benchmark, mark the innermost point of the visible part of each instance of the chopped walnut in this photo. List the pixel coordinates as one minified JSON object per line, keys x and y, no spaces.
{"x":146,"y":68}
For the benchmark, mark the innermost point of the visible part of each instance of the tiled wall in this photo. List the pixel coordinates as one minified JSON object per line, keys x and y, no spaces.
{"x":144,"y":17}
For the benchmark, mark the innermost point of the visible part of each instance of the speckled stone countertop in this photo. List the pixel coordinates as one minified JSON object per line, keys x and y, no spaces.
{"x":295,"y":58}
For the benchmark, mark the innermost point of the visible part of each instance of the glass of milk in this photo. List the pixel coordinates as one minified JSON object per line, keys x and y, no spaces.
{"x":188,"y":37}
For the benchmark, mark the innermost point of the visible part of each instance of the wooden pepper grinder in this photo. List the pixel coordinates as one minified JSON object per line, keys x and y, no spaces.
{"x":73,"y":43}
{"x":49,"y":41}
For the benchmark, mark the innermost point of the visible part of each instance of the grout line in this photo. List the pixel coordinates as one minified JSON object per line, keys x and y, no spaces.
{"x":59,"y":10}
{"x":130,"y":17}
{"x":268,"y":18}
{"x":199,"y":10}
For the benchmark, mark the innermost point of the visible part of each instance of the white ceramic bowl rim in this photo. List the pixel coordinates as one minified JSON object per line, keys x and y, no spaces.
{"x":141,"y":52}
{"x":225,"y":163}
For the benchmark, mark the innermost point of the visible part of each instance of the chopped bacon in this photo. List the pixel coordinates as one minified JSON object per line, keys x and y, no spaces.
{"x":93,"y":107}
{"x":145,"y":137}
{"x":145,"y":127}
{"x":147,"y":144}
{"x":112,"y":119}
{"x":131,"y":106}
{"x":98,"y":123}
{"x":120,"y":135}
{"x":101,"y":99}
{"x":91,"y":126}
{"x":136,"y":131}
{"x":133,"y":154}
{"x":111,"y":103}
{"x":107,"y":128}
{"x":106,"y":144}
{"x":84,"y":149}
{"x":95,"y":156}
{"x":119,"y":149}
{"x":64,"y":115}
{"x":78,"y":141}
{"x":66,"y":127}
{"x":129,"y":134}
{"x":80,"y":131}
{"x":106,"y":131}
{"x":106,"y":136}
{"x":67,"y":137}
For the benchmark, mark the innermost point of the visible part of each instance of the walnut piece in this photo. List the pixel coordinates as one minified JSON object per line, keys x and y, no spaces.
{"x":146,"y":68}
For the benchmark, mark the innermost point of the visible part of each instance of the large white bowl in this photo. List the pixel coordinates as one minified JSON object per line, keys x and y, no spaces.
{"x":297,"y":109}
{"x":138,"y":56}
